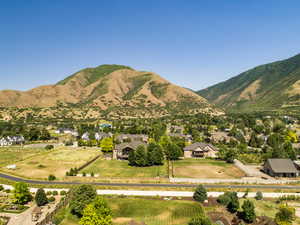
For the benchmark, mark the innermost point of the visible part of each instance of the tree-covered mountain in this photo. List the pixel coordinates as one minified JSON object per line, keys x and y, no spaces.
{"x":274,"y":86}
{"x":111,"y":89}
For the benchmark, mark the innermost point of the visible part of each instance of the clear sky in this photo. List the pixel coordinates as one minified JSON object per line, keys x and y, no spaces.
{"x":192,"y":43}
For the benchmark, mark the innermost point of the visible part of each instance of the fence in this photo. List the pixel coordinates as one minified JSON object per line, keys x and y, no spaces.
{"x":49,"y":217}
{"x":88,"y":163}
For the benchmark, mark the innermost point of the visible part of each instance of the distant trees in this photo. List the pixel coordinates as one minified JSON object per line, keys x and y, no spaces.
{"x":227,"y":154}
{"x":21,"y":193}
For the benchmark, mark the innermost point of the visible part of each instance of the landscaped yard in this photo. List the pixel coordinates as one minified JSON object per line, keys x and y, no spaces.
{"x":151,"y":211}
{"x":46,"y":162}
{"x":121,"y":169}
{"x":206,"y":168}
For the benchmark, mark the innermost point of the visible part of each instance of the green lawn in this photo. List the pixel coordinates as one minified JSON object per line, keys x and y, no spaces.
{"x":151,"y":211}
{"x":206,"y":168}
{"x":121,"y":169}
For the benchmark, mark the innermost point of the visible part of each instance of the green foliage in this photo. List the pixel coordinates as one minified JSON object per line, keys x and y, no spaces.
{"x":81,"y":196}
{"x":106,"y":144}
{"x":40,"y":197}
{"x":51,"y":177}
{"x":248,"y":211}
{"x":259,"y":195}
{"x":21,"y":193}
{"x":140,"y":156}
{"x":230,"y":200}
{"x":97,"y":213}
{"x":227,"y":154}
{"x":200,"y":195}
{"x":49,"y":147}
{"x":285,"y":215}
{"x":155,"y":154}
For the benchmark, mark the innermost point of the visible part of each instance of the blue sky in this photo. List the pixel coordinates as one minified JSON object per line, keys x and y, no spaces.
{"x":193,"y":43}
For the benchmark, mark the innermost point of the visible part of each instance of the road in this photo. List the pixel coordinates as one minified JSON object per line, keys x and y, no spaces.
{"x":17,"y":179}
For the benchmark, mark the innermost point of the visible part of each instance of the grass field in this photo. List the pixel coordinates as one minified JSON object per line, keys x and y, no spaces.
{"x":206,"y":168}
{"x":44,"y":162}
{"x":151,"y":211}
{"x":121,"y":169}
{"x":11,"y":155}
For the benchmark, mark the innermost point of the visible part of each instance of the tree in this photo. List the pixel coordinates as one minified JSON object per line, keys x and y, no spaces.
{"x":254,"y":142}
{"x":285,"y":215}
{"x":21,"y":193}
{"x":141,"y":156}
{"x":51,"y":177}
{"x":131,"y":158}
{"x":234,"y":204}
{"x":41,"y":197}
{"x":107,"y":145}
{"x":154,"y":154}
{"x":200,"y":195}
{"x":200,"y":220}
{"x":81,"y":196}
{"x":248,"y":212}
{"x":97,"y":213}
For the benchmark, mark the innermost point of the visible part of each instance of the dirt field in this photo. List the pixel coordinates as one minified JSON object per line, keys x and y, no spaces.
{"x":204,"y":168}
{"x":55,"y":162}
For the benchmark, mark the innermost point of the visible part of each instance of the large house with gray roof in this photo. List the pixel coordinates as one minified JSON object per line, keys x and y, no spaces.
{"x":280,"y":168}
{"x":200,"y":150}
{"x":122,"y":150}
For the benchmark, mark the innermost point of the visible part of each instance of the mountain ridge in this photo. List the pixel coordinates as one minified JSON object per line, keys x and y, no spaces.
{"x":266,"y":87}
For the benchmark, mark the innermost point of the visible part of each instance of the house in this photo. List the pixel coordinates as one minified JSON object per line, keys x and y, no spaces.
{"x":67,"y":131}
{"x":101,"y":135}
{"x":11,"y":167}
{"x":122,"y":150}
{"x":132,"y":137}
{"x":86,"y":136}
{"x":280,"y":168}
{"x":200,"y":150}
{"x":12,"y":140}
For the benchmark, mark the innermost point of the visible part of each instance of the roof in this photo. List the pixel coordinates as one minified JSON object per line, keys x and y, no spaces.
{"x":201,"y":145}
{"x":282,"y":165}
{"x":133,"y":145}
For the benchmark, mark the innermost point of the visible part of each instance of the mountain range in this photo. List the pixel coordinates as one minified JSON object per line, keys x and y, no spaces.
{"x":114,"y":89}
{"x":269,"y":87}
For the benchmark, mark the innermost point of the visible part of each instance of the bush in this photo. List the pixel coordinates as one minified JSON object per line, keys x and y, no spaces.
{"x":49,"y":193}
{"x":7,"y":190}
{"x":51,"y":177}
{"x":92,"y":174}
{"x":1,"y":188}
{"x":49,"y":147}
{"x":51,"y":199}
{"x":63,"y":193}
{"x":259,"y":195}
{"x":54,"y":193}
{"x":285,"y":215}
{"x":248,"y":212}
{"x":200,"y":220}
{"x":230,"y":200}
{"x":40,"y":197}
{"x":83,"y":174}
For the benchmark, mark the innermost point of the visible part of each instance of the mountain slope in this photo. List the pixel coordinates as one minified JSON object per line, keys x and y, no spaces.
{"x":111,"y":89}
{"x":267,"y":87}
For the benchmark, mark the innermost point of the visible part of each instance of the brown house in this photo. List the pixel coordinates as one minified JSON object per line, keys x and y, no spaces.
{"x":280,"y":168}
{"x":122,"y":150}
{"x":200,"y":150}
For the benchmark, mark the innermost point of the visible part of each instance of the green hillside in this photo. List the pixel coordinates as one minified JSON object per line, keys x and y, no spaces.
{"x":267,"y":87}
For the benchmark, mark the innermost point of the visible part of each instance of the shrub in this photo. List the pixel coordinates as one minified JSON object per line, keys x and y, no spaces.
{"x":49,"y":193}
{"x":200,"y":195}
{"x":259,"y":195}
{"x":63,"y":192}
{"x":49,"y":147}
{"x":51,"y":199}
{"x":1,"y":188}
{"x":285,"y":215}
{"x":55,"y":193}
{"x":40,"y":197}
{"x":51,"y":177}
{"x":22,"y":194}
{"x":92,"y":174}
{"x":248,"y":212}
{"x":84,"y":174}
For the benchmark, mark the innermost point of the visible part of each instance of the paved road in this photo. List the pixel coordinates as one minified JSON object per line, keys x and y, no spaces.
{"x":148,"y":184}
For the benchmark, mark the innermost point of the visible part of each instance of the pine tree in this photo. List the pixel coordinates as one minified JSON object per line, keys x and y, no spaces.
{"x":200,"y":195}
{"x":41,"y":197}
{"x":140,"y":156}
{"x":131,"y":158}
{"x":248,"y":212}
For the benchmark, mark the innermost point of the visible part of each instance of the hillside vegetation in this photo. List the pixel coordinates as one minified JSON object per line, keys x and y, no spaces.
{"x":273,"y":86}
{"x":107,"y":89}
